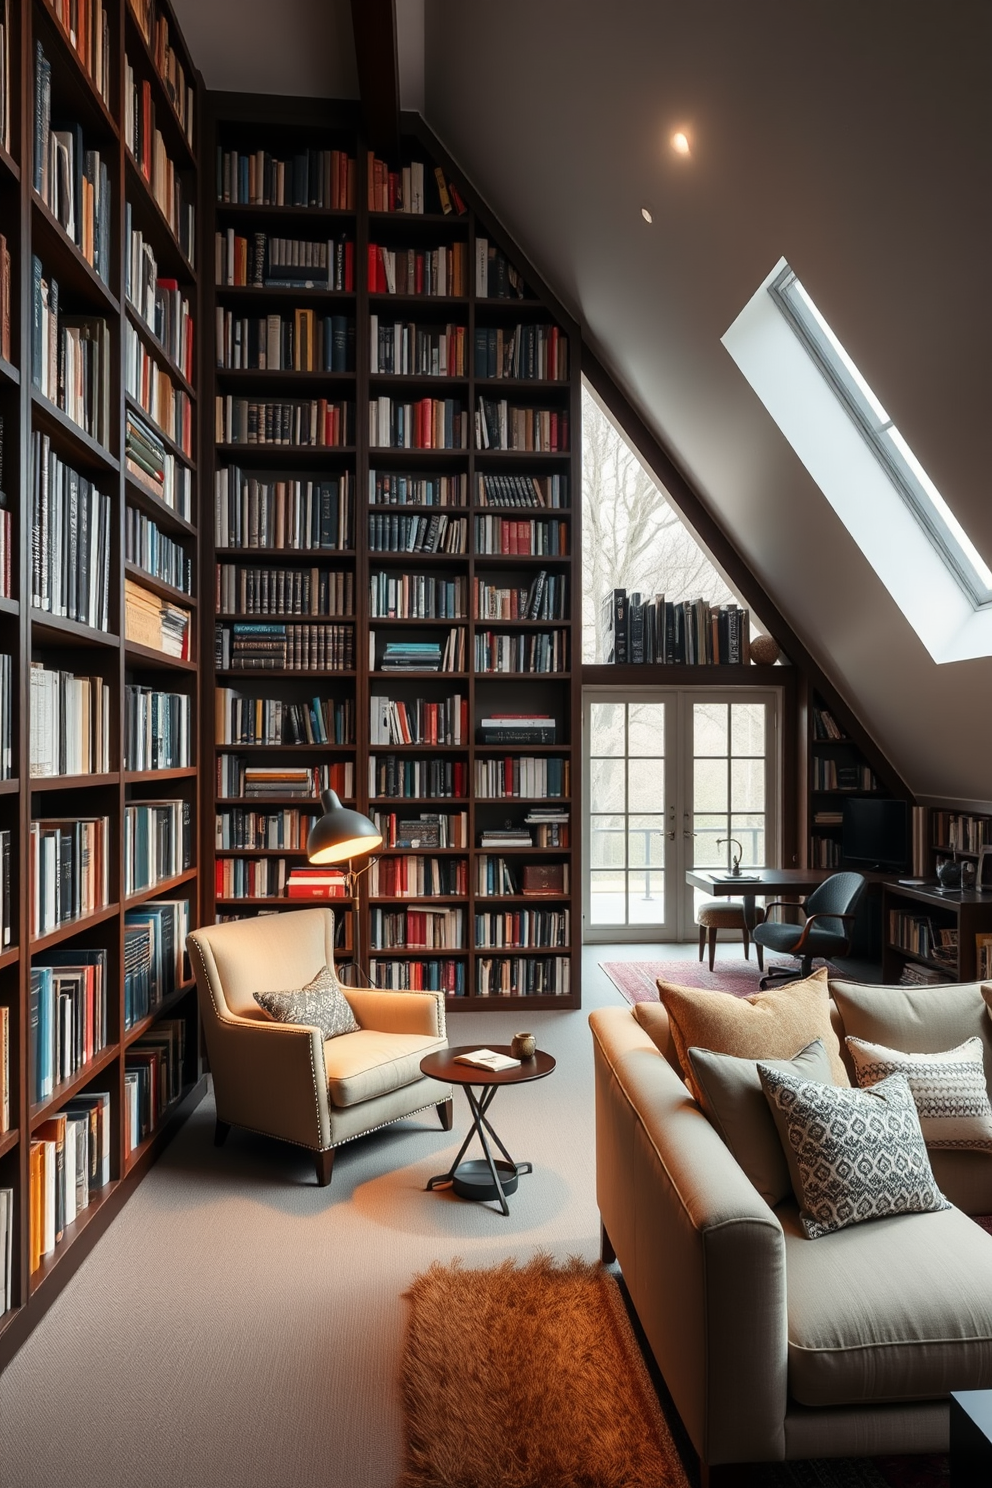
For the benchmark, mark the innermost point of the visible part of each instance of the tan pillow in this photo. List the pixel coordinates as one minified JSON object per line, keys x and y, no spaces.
{"x":766,"y":1025}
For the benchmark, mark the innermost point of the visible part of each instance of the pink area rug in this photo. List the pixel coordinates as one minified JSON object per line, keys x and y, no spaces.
{"x":636,"y":979}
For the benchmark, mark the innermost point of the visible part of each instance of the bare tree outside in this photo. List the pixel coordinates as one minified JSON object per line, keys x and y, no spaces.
{"x":633,"y":538}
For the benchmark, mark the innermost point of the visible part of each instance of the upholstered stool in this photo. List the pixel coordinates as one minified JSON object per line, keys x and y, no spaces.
{"x":723,"y":914}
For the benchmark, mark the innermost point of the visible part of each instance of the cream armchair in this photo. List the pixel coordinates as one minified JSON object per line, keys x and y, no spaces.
{"x":283,"y":1079}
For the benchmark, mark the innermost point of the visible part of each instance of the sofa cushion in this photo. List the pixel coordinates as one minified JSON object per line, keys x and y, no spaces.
{"x":898,"y":1311}
{"x":853,"y":1155}
{"x":320,"y":1004}
{"x":730,"y":1093}
{"x":909,"y":1018}
{"x":766,"y":1025}
{"x":948,"y":1088}
{"x":365,"y":1064}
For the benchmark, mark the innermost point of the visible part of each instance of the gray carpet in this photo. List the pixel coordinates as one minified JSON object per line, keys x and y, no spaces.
{"x":237,"y":1327}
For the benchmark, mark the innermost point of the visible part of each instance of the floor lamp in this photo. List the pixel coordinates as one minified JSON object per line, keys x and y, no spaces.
{"x":340,"y":836}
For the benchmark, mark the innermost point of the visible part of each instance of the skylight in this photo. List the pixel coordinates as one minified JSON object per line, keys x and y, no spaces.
{"x":898,"y":460}
{"x":843,"y":434}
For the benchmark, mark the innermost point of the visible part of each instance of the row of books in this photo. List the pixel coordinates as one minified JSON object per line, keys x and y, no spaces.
{"x":154,"y":551}
{"x":415,"y":877}
{"x":155,"y":963}
{"x":523,"y":928}
{"x":71,"y":180}
{"x":431,"y":974}
{"x":496,"y":877}
{"x":4,"y":1068}
{"x":955,"y":831}
{"x":284,"y":591}
{"x":439,"y":533}
{"x":71,"y":524}
{"x":403,"y":348}
{"x":918,"y":934}
{"x":237,"y":779}
{"x":419,"y":656}
{"x":522,"y":536}
{"x":983,"y":956}
{"x":6,"y":716}
{"x":419,"y":721}
{"x":7,"y":1221}
{"x":264,"y":262}
{"x":495,"y":276}
{"x":536,"y":353}
{"x":145,"y":143}
{"x":686,"y":632}
{"x":522,"y":976}
{"x":389,"y":488}
{"x":545,"y":598}
{"x":299,"y":515}
{"x":429,"y":423}
{"x":157,"y":729}
{"x":70,"y":723}
{"x":155,"y":468}
{"x":545,"y":651}
{"x":404,"y":190}
{"x":500,"y":425}
{"x":432,"y":272}
{"x":317,"y":422}
{"x":87,"y":30}
{"x":310,"y":178}
{"x":842,"y":775}
{"x":824,"y":852}
{"x":392,"y":778}
{"x":9,"y":891}
{"x":301,"y":341}
{"x":69,"y":867}
{"x":239,"y":828}
{"x":70,"y":358}
{"x":261,"y":720}
{"x":542,"y":829}
{"x":522,"y":490}
{"x":154,"y":26}
{"x":526,"y":775}
{"x":518,"y":728}
{"x":427,"y":829}
{"x":152,"y":387}
{"x":246,"y":647}
{"x":160,"y":303}
{"x":251,"y":878}
{"x":407,"y":929}
{"x":150,"y":620}
{"x":67,"y":1014}
{"x":158,"y":843}
{"x":153,"y":1068}
{"x":69,"y":1163}
{"x":417,"y":597}
{"x":825,"y":725}
{"x":5,"y":300}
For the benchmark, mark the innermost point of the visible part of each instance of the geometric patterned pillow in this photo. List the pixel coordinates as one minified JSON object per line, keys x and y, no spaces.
{"x":853,"y":1154}
{"x":320,"y":1004}
{"x":949,"y":1090}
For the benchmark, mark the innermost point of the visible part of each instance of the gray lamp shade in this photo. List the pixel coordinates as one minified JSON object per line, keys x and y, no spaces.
{"x":340,"y":833}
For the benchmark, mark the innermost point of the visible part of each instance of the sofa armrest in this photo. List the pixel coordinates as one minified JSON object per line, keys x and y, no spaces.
{"x":269,"y":1077}
{"x":398,"y":1012}
{"x":702,"y":1254}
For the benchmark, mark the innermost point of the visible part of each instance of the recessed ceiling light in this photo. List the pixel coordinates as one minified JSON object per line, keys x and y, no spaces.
{"x":646,"y":215}
{"x":680,"y":143}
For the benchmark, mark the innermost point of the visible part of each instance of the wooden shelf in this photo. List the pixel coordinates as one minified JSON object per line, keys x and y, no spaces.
{"x":148,"y":656}
{"x":70,"y":928}
{"x":158,"y":351}
{"x":159,"y":586}
{"x":78,"y":446}
{"x":73,"y":272}
{"x":41,"y":783}
{"x":149,"y":214}
{"x":41,"y":1110}
{"x":157,"y":890}
{"x":156,"y":508}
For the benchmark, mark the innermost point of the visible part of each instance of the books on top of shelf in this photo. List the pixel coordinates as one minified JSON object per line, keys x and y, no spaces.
{"x":430,"y":926}
{"x":495,"y":276}
{"x":488,"y":1059}
{"x":636,"y":629}
{"x":69,"y":723}
{"x":522,"y":775}
{"x":152,"y":621}
{"x":413,"y":876}
{"x":420,"y":974}
{"x":546,"y":651}
{"x":8,"y":896}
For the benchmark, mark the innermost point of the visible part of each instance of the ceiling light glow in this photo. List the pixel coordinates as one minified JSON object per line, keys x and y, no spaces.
{"x":646,"y":215}
{"x":680,"y":143}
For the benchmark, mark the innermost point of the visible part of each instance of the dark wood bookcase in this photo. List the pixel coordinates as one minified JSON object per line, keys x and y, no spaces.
{"x":282,"y":126}
{"x":30,"y":634}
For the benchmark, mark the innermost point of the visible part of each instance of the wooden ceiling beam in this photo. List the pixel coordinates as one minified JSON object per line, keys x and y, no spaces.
{"x":376,"y":53}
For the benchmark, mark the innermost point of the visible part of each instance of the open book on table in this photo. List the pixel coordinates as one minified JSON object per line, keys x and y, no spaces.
{"x":487,"y":1059}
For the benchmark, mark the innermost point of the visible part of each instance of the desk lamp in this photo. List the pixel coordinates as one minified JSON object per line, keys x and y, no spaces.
{"x":340,"y":836}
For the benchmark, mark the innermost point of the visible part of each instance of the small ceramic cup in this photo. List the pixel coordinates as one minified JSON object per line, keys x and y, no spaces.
{"x":523,"y":1046}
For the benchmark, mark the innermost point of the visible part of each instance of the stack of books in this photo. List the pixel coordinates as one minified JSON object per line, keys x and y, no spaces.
{"x":518,"y":728}
{"x":155,"y":470}
{"x":507,"y":837}
{"x":154,"y":622}
{"x":409,"y":656}
{"x":316,"y":883}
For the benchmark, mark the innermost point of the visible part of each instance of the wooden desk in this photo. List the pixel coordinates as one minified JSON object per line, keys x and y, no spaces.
{"x":763,"y":883}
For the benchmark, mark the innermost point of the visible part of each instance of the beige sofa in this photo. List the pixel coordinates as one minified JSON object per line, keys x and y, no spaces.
{"x":774,"y":1346}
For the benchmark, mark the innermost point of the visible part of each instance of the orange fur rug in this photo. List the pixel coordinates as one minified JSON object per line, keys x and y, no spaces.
{"x":529,"y":1377}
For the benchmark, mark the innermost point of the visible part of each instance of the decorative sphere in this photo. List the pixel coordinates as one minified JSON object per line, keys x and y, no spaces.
{"x":765,"y":650}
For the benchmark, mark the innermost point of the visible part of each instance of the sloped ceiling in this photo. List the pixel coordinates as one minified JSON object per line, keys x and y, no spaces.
{"x":852,"y":136}
{"x":305,"y":48}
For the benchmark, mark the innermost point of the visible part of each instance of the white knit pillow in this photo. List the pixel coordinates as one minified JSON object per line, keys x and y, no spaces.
{"x":949,"y":1090}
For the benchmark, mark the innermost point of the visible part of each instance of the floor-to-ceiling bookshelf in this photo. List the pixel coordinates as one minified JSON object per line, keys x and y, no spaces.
{"x":88,"y":901}
{"x":429,"y":912}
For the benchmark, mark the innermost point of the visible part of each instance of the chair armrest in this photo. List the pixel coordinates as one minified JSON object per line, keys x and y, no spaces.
{"x":269,"y":1077}
{"x":811,"y":921}
{"x":398,"y":1012}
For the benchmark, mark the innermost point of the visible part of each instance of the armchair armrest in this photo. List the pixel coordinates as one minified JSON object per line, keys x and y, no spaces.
{"x":398,"y":1012}
{"x":270,"y":1077}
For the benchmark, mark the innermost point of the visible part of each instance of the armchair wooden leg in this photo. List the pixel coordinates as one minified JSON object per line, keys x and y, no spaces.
{"x":221,"y":1129}
{"x":702,"y":940}
{"x":711,"y":944}
{"x":446,"y":1114}
{"x":324,"y":1162}
{"x":606,"y":1252}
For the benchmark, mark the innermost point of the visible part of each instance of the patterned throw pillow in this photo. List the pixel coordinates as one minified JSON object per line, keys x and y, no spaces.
{"x":320,"y":1004}
{"x":949,"y":1090}
{"x":853,"y":1154}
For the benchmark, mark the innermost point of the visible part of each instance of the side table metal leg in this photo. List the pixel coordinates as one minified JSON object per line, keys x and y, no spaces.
{"x":481,"y":1123}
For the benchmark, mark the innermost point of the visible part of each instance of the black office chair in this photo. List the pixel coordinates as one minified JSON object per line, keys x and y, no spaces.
{"x":828,"y":915}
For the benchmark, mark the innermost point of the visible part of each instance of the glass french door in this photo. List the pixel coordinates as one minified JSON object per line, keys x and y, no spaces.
{"x":674,"y":778}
